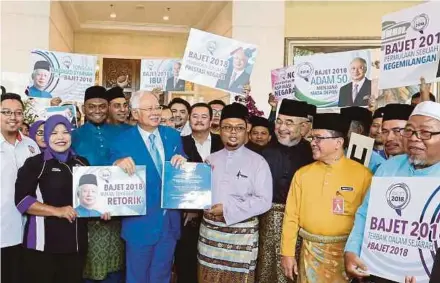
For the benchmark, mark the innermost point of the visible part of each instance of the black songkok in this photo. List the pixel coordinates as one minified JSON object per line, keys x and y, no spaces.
{"x":88,"y":179}
{"x":397,"y":112}
{"x":331,"y":121}
{"x":360,"y":114}
{"x":235,"y":110}
{"x":42,"y":65}
{"x":114,"y":92}
{"x":259,"y":122}
{"x":378,"y":113}
{"x":294,"y":108}
{"x":95,"y":92}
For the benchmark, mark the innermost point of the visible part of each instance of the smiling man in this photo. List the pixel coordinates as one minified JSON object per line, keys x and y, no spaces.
{"x":118,"y":108}
{"x":260,"y":134}
{"x":180,"y":109}
{"x":421,"y":139}
{"x":284,"y":158}
{"x":358,"y":91}
{"x":321,"y":205}
{"x":40,"y":77}
{"x":87,"y":194}
{"x":241,"y":190}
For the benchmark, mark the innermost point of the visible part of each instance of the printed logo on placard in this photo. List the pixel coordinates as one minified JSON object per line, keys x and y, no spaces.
{"x":105,"y":174}
{"x":398,"y":197}
{"x":420,"y":22}
{"x":211,"y":46}
{"x":67,"y":61}
{"x":305,"y":70}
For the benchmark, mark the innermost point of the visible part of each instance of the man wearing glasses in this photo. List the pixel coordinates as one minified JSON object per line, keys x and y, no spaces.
{"x":15,"y":148}
{"x":290,"y":153}
{"x":241,"y":190}
{"x":421,"y":139}
{"x":217,"y":107}
{"x":321,"y":205}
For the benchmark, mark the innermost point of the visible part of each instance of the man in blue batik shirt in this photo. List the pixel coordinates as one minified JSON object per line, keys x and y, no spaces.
{"x":40,"y":77}
{"x":87,"y":196}
{"x":422,"y":141}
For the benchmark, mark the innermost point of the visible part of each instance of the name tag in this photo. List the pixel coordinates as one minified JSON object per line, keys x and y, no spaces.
{"x":338,"y":205}
{"x":346,"y":189}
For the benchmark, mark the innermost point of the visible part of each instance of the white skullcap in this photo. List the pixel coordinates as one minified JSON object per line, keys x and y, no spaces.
{"x":427,"y":108}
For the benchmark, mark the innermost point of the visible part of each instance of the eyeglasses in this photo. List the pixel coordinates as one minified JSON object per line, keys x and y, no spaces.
{"x":396,"y":131}
{"x":288,"y":123}
{"x":9,"y":113}
{"x":229,"y":129}
{"x":423,"y":135}
{"x":149,"y":109}
{"x":318,"y":139}
{"x":40,"y":133}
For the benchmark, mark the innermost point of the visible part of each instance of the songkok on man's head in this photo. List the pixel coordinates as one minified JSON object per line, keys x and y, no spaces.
{"x":95,"y":91}
{"x":397,"y":112}
{"x":294,"y":108}
{"x":311,"y":110}
{"x":256,"y":121}
{"x":360,"y":114}
{"x":114,"y":92}
{"x":331,"y":121}
{"x":378,"y":113}
{"x":42,"y":65}
{"x":427,"y":108}
{"x":88,"y":179}
{"x":235,"y":110}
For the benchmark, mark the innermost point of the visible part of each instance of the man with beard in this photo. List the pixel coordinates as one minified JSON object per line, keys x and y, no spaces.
{"x":284,"y":158}
{"x":118,"y":108}
{"x":217,"y":107}
{"x":321,"y":204}
{"x":92,"y":141}
{"x":15,"y":148}
{"x":421,"y":140}
{"x":197,"y":146}
{"x":260,"y":134}
{"x":180,"y":109}
{"x":241,"y":190}
{"x":376,"y":130}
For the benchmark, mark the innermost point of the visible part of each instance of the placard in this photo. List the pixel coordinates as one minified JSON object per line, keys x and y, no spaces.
{"x":410,"y":46}
{"x":187,"y":187}
{"x":337,"y":79}
{"x":218,"y":62}
{"x":101,"y":189}
{"x":360,"y":148}
{"x":58,"y":74}
{"x":68,"y":111}
{"x":283,"y":82}
{"x":402,"y":231}
{"x":161,"y":73}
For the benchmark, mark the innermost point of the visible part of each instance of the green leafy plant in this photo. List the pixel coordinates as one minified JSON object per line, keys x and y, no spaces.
{"x":29,"y":112}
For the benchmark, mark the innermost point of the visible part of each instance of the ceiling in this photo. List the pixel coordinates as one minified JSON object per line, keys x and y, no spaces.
{"x":141,"y":16}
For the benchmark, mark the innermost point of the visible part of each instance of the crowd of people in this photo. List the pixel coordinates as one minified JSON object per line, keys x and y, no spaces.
{"x":275,"y":183}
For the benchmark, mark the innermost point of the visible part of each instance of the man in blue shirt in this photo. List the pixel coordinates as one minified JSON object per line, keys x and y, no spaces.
{"x":105,"y":257}
{"x":40,"y":76}
{"x":422,"y":141}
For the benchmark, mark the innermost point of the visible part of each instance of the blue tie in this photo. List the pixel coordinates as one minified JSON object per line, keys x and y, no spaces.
{"x":154,"y":152}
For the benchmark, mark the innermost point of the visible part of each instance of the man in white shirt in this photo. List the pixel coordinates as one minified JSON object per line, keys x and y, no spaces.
{"x":15,"y":148}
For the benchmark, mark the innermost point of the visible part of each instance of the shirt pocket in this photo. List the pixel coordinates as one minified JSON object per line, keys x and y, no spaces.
{"x":351,"y":200}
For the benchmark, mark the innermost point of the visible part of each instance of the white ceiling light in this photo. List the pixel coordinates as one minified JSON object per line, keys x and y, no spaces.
{"x":166,"y":17}
{"x":112,"y":14}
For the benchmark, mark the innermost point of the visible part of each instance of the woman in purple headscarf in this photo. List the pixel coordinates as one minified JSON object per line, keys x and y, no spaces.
{"x":36,"y":132}
{"x":55,"y":241}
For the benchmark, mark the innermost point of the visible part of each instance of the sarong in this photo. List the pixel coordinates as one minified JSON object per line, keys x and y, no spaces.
{"x":106,"y":249}
{"x":269,"y":259}
{"x":322,"y":259}
{"x":227,"y":253}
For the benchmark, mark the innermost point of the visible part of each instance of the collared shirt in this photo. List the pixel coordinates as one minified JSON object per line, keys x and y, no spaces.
{"x":12,"y":158}
{"x":157,"y":141}
{"x":237,"y":75}
{"x":310,"y":201}
{"x":375,"y":161}
{"x":35,"y":92}
{"x":93,"y":142}
{"x":242,"y":182}
{"x":186,"y":129}
{"x":395,"y":166}
{"x":203,"y":149}
{"x":359,"y":86}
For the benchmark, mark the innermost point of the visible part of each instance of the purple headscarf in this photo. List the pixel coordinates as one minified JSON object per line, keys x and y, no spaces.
{"x":33,"y":131}
{"x":49,"y":126}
